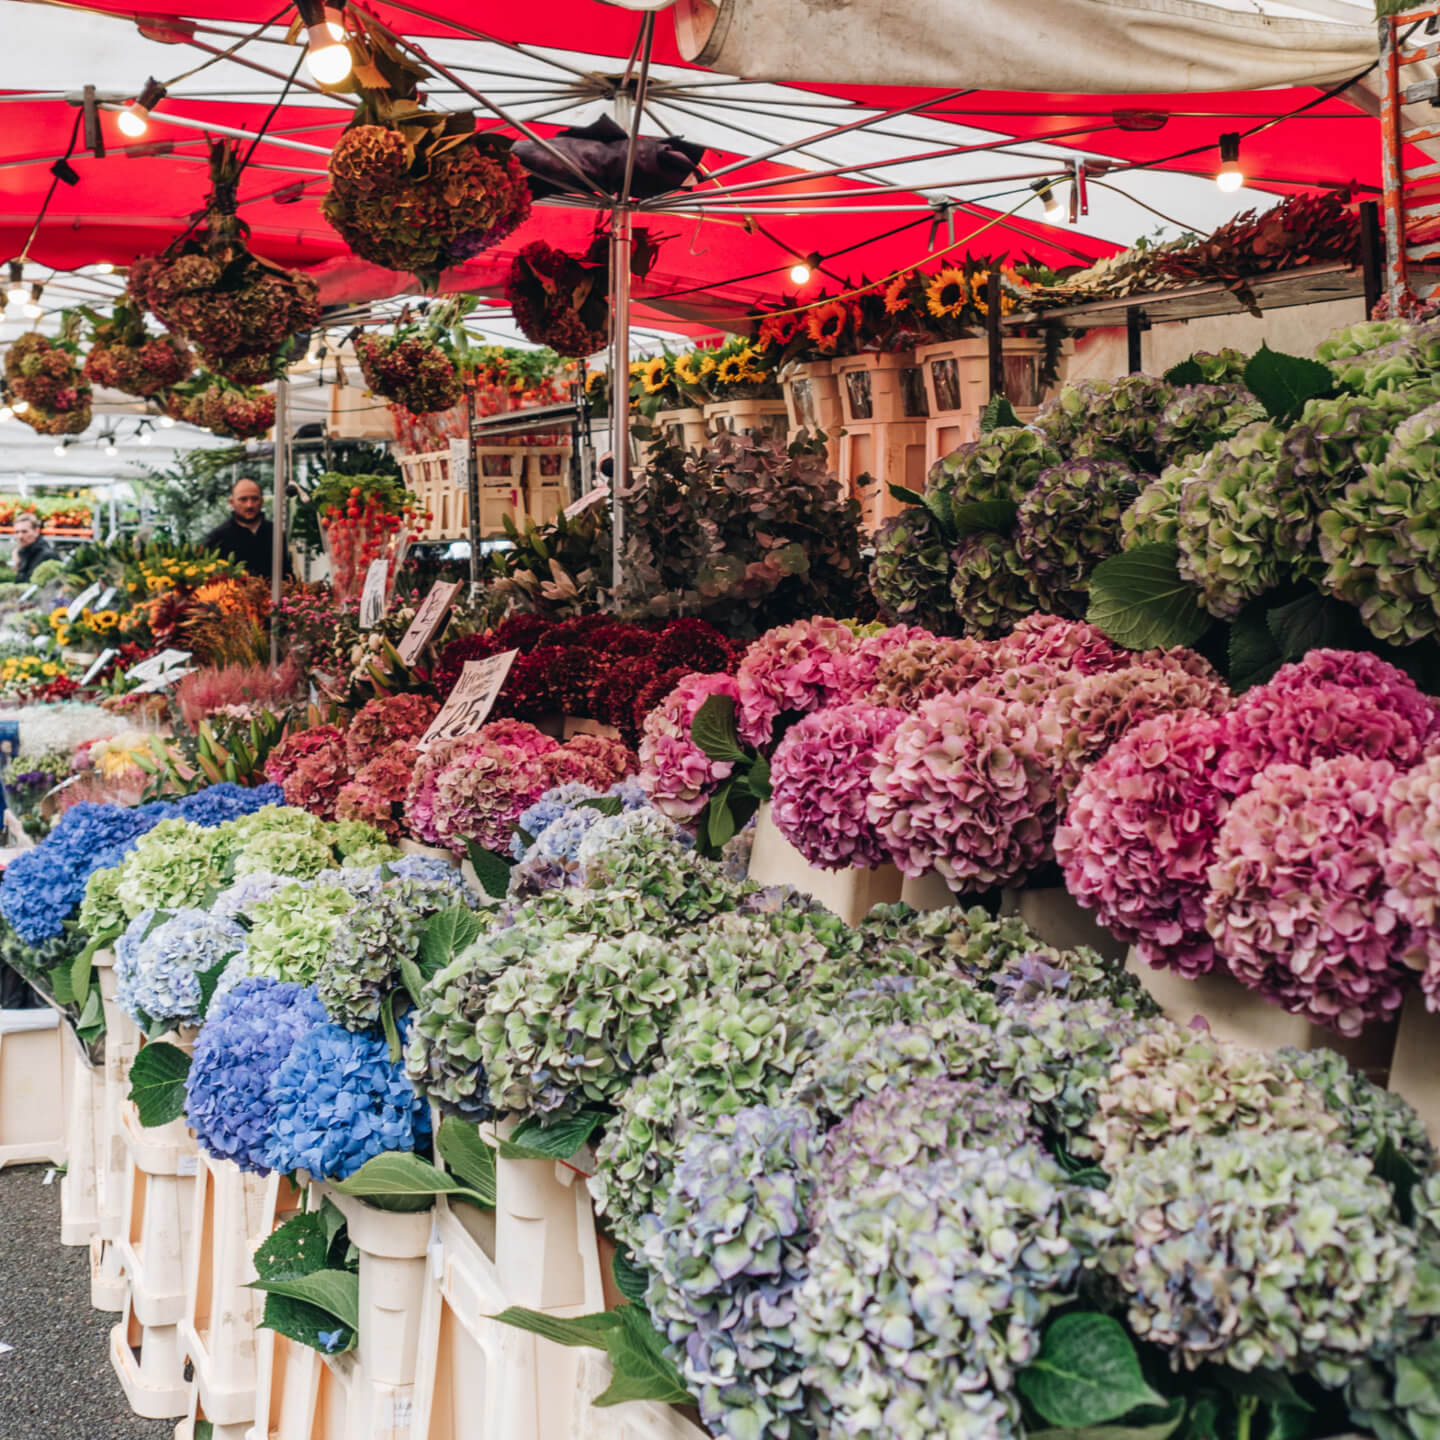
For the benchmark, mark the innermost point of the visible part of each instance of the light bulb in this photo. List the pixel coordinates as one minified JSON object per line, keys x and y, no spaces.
{"x":104,"y":268}
{"x":133,"y":120}
{"x":1054,"y":208}
{"x":60,"y":449}
{"x":33,"y":311}
{"x":1230,"y":177}
{"x":334,"y":24}
{"x":328,"y":61}
{"x":167,"y":422}
{"x":143,"y":437}
{"x":110,"y":448}
{"x":15,"y":291}
{"x":800,"y":273}
{"x":20,"y":406}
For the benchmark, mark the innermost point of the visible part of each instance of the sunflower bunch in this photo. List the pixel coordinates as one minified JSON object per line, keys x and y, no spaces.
{"x":742,"y":370}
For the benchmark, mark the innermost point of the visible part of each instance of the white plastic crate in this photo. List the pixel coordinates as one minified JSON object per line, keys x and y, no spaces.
{"x":634,"y":1420}
{"x":122,"y":1044}
{"x":1415,"y":1068}
{"x":34,"y":1078}
{"x":749,"y":417}
{"x":1060,"y":920}
{"x":84,"y":1129}
{"x":891,"y":452}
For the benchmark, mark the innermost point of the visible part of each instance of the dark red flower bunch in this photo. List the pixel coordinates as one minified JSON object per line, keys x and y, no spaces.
{"x":62,"y":687}
{"x":412,"y":370}
{"x":521,"y":632}
{"x":559,"y":300}
{"x":125,"y":356}
{"x":575,"y":630}
{"x":451,"y":660}
{"x":622,"y":641}
{"x":573,"y":671}
{"x":527,"y":694}
{"x":697,"y":645}
{"x":44,"y":374}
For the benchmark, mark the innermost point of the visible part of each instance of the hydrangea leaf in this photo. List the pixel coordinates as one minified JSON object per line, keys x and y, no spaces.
{"x":1087,"y":1372}
{"x":905,"y":495}
{"x":530,"y":1140}
{"x":492,"y":869}
{"x":1254,"y":655}
{"x":446,"y":934}
{"x":336,"y":1292}
{"x":298,"y":1247}
{"x":1160,"y":1430}
{"x":1283,"y":383}
{"x":579,"y":1331}
{"x":307,"y":1324}
{"x":1400,"y":1175}
{"x":157,"y":1083}
{"x":403,"y":1181}
{"x":1139,"y":600}
{"x":998,"y":414}
{"x":1313,"y":622}
{"x":713,"y":729}
{"x":467,"y":1155}
{"x":642,"y":1369}
{"x":984,"y":516}
{"x":1187,"y":372}
{"x":61,"y":985}
{"x":209,"y":980}
{"x":1272,"y":1387}
{"x":631,"y":1280}
{"x":605,"y":804}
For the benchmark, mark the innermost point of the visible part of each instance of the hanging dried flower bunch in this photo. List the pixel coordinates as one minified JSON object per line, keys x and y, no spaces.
{"x":239,"y":412}
{"x":125,"y":356}
{"x":412,"y":190}
{"x":44,"y":375}
{"x":410,"y":367}
{"x":560,"y":300}
{"x":239,"y":312}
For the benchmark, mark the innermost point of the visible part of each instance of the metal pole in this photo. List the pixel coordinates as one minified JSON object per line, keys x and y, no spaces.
{"x":620,"y":246}
{"x":1134,"y":329}
{"x":1372,"y":255}
{"x":995,"y":334}
{"x":277,"y":507}
{"x":472,"y":490}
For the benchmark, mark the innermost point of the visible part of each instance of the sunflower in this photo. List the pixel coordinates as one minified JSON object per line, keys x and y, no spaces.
{"x":730,"y":370}
{"x":104,"y":620}
{"x":897,"y":293}
{"x":654,"y":374}
{"x":780,"y":329}
{"x":980,"y":280}
{"x":947,"y":294}
{"x":593,"y":381}
{"x":687,"y":368}
{"x":826,"y":324}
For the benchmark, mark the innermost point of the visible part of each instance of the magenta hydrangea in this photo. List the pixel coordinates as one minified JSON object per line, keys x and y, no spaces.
{"x":1139,"y":838}
{"x":965,"y":786}
{"x":820,"y":778}
{"x":675,"y":772}
{"x":385,"y":720}
{"x":420,"y":799}
{"x":519,"y":735}
{"x":1073,"y":644}
{"x":1412,"y":867}
{"x":1297,"y":906}
{"x":481,"y":791}
{"x":794,"y":668}
{"x":863,"y":662}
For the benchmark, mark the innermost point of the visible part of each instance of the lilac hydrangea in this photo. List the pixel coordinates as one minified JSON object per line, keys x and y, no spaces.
{"x":338,"y":1101}
{"x":238,"y":900}
{"x":227,"y":801}
{"x":557,"y":801}
{"x":159,"y":958}
{"x":245,"y":1038}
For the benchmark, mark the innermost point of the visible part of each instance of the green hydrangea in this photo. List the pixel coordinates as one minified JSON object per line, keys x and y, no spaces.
{"x":989,"y":585}
{"x":294,"y":853}
{"x":1067,"y":525}
{"x":239,"y":834}
{"x":1380,"y":543}
{"x":174,"y":866}
{"x":1229,"y":521}
{"x":1225,"y":366}
{"x":910,"y":574}
{"x":292,"y":932}
{"x":1358,"y":338}
{"x":1154,"y":517}
{"x":1003,"y":464}
{"x":101,"y":912}
{"x":360,"y":844}
{"x":1200,"y":416}
{"x":1108,"y":420}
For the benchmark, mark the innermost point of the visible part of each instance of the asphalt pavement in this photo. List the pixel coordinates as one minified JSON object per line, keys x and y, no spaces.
{"x":55,"y":1381}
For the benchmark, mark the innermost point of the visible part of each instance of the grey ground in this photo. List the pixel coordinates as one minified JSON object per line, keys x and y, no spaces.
{"x":56,"y":1384}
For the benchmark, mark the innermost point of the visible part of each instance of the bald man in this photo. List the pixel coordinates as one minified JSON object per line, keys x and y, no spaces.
{"x":247,"y":536}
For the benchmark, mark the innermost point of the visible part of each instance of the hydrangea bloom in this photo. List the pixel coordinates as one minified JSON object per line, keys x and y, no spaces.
{"x":910,"y":574}
{"x":1066,"y":644}
{"x":989,"y":585}
{"x":241,"y":898}
{"x":339,"y":1101}
{"x":158,"y":965}
{"x":588,"y":760}
{"x":386,"y":721}
{"x":820,"y":777}
{"x":1188,"y":1217}
{"x":174,"y":865}
{"x":480,"y":793}
{"x":1139,"y":837}
{"x":376,"y":793}
{"x":1297,"y":902}
{"x":927,"y":666}
{"x":727,"y":1256}
{"x":1412,"y":867}
{"x":244,"y":1040}
{"x":420,"y":798}
{"x":864,"y":661}
{"x":101,"y":912}
{"x":677,"y":775}
{"x":558,"y":801}
{"x":291,"y":932}
{"x":299,"y":853}
{"x":218,"y":803}
{"x":795,"y":669}
{"x":966,"y":786}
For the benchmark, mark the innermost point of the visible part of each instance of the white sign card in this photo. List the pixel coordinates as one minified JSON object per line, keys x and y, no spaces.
{"x":27,"y":592}
{"x":81,"y":601}
{"x":163,"y":682}
{"x":106,"y":598}
{"x":460,"y":464}
{"x":428,"y":620}
{"x":589,"y":498}
{"x":157,"y":665}
{"x":98,"y":664}
{"x":472,"y":698}
{"x":372,"y":598}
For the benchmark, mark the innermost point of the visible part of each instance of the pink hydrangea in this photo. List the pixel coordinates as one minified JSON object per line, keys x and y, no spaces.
{"x":1072,"y":644}
{"x":520,"y":736}
{"x":676,"y":774}
{"x":1412,"y":867}
{"x":383,"y":721}
{"x":1297,"y":905}
{"x":1355,"y":669}
{"x":864,"y":660}
{"x":820,"y":776}
{"x":376,"y":793}
{"x":481,"y":791}
{"x":1139,"y":837}
{"x":314,"y":781}
{"x":927,"y":666}
{"x":420,"y":798}
{"x":1295,"y":720}
{"x":1038,"y":683}
{"x":301,"y":743}
{"x":603,"y":760}
{"x":965,"y":786}
{"x":795,"y":668}
{"x":1094,"y":712}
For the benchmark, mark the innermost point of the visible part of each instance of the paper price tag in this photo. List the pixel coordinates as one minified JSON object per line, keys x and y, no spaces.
{"x":98,"y":664}
{"x":27,"y":592}
{"x":429,"y":620}
{"x":459,"y":464}
{"x":157,"y":665}
{"x":72,"y":613}
{"x":372,"y":597}
{"x":106,"y":598}
{"x":589,"y":498}
{"x":471,"y":699}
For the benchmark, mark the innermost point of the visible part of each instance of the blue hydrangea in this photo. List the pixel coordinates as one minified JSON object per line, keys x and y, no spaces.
{"x":243,"y":1042}
{"x":218,"y":803}
{"x":339,"y":1101}
{"x":551,"y":806}
{"x":426,"y":867}
{"x":159,"y":958}
{"x":247,"y":892}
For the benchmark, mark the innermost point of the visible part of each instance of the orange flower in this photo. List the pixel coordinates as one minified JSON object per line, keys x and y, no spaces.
{"x":779,"y":330}
{"x":947,"y":293}
{"x":826,"y":324}
{"x":897,"y":293}
{"x":980,"y":281}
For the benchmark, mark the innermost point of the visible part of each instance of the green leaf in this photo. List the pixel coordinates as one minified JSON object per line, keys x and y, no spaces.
{"x":402,"y":1181}
{"x":447,"y":933}
{"x":387,"y":1024}
{"x":937,"y":502}
{"x":336,"y":1292}
{"x":984,"y":517}
{"x":1283,"y":383}
{"x":1187,"y":372}
{"x":412,"y":977}
{"x":757,"y":778}
{"x":998,"y":414}
{"x":209,"y":980}
{"x":1253,"y":654}
{"x":91,"y":1024}
{"x":713,"y":729}
{"x":642,"y":1369}
{"x":1313,"y":622}
{"x":605,"y":804}
{"x":1159,"y":1430}
{"x":467,"y":1156}
{"x":82,"y":969}
{"x":492,"y":870}
{"x":157,"y":1083}
{"x":298,"y":1247}
{"x":720,"y":823}
{"x":202,"y":1430}
{"x":1271,"y":1386}
{"x":1139,"y":600}
{"x":1087,"y":1372}
{"x":60,"y":984}
{"x":905,"y":496}
{"x":584,"y":1331}
{"x":1400,"y":1175}
{"x":530,"y":1140}
{"x":631,"y":1280}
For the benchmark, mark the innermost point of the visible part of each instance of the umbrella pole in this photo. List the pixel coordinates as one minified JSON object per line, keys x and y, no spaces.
{"x":277,"y":512}
{"x":620,"y":246}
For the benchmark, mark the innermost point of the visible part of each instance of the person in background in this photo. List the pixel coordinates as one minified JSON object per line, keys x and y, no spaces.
{"x":247,"y":536}
{"x":31,"y":547}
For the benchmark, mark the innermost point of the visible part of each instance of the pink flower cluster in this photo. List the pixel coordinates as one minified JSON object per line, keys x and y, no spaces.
{"x":1297,"y":902}
{"x":297,"y":745}
{"x":593,"y":760}
{"x":820,"y":776}
{"x":966,"y":786}
{"x":376,"y":792}
{"x":482,"y":790}
{"x":676,"y":774}
{"x":862,"y":662}
{"x":1412,"y":868}
{"x":1139,"y":837}
{"x":1068,"y":644}
{"x":795,"y":668}
{"x":309,"y":766}
{"x":420,"y":797}
{"x":927,"y":666}
{"x":383,"y":721}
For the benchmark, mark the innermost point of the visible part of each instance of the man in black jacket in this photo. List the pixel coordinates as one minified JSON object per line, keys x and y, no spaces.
{"x":247,"y":536}
{"x":31,"y":547}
